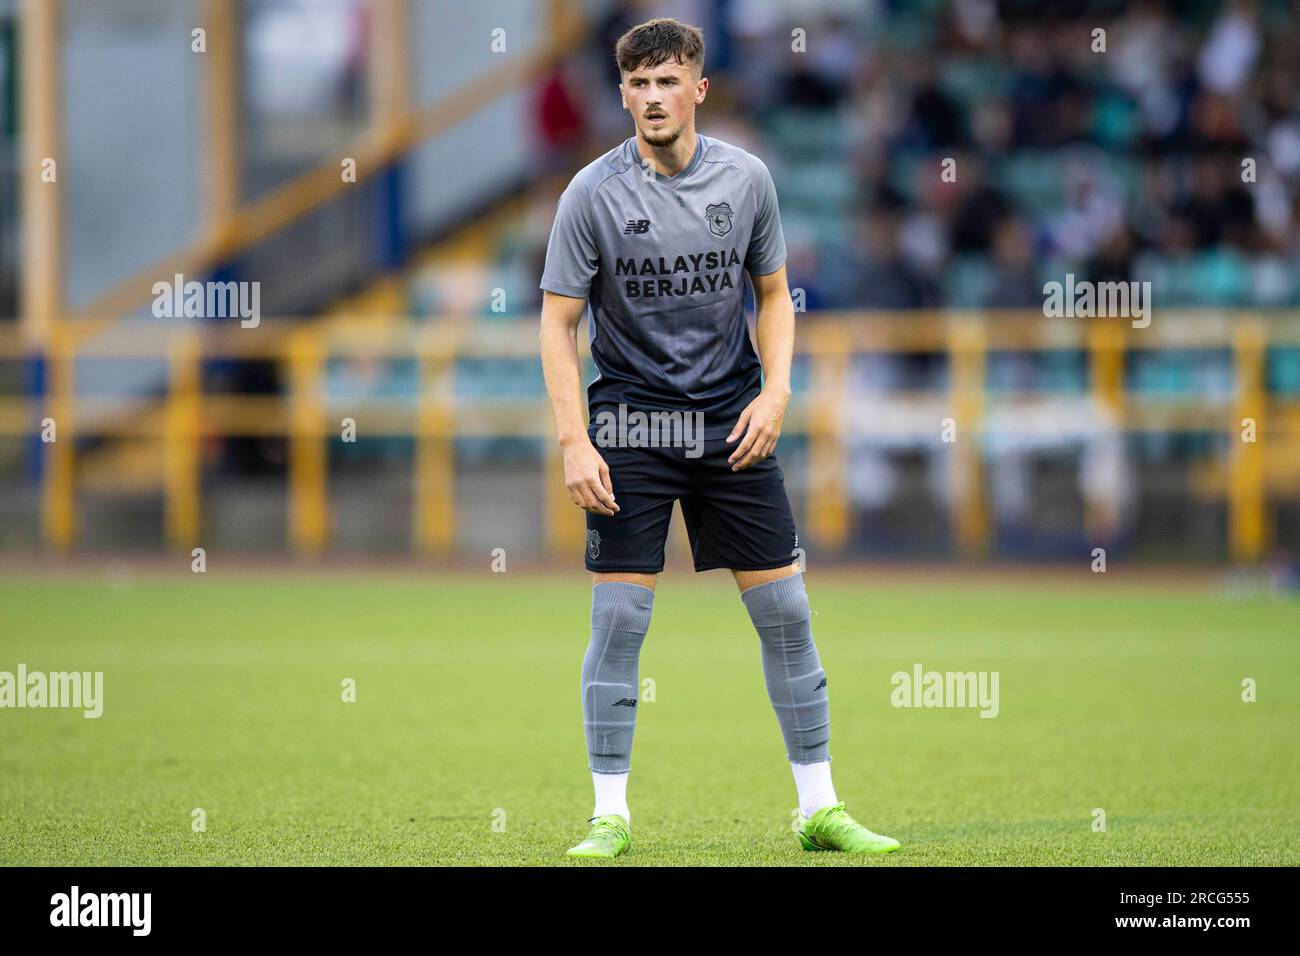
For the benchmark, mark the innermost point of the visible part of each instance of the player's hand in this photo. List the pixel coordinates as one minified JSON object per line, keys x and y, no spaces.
{"x":760,"y":424}
{"x":587,"y":477}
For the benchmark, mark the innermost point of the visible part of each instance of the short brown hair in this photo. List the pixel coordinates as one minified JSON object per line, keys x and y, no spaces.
{"x":655,"y":41}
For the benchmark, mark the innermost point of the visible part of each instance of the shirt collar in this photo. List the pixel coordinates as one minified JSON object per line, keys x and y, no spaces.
{"x":671,"y":181}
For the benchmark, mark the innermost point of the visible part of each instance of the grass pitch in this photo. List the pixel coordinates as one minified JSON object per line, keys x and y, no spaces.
{"x":464,"y":745}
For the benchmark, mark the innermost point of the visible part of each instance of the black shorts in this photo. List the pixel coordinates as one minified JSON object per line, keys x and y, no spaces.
{"x":739,"y":520}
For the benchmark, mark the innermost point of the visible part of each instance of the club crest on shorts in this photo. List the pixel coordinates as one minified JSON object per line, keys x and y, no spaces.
{"x":718,"y":215}
{"x":593,"y":543}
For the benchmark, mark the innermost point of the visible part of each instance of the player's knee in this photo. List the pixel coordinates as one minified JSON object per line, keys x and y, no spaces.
{"x":777,"y":608}
{"x":620,"y":606}
{"x":620,"y":617}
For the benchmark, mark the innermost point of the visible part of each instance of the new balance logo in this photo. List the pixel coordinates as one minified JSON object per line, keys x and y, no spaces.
{"x":821,"y":685}
{"x":625,"y":702}
{"x":637,"y":226}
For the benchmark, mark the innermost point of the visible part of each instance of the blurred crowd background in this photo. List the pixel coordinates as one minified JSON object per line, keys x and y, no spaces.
{"x":1146,"y":141}
{"x":1122,"y":164}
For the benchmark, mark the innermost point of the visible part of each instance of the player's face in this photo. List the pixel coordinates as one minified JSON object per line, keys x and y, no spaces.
{"x":662,"y":100}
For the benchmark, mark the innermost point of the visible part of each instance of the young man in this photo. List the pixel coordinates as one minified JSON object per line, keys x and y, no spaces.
{"x":656,"y":237}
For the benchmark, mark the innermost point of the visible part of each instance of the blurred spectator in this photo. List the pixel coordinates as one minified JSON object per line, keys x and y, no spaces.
{"x":561,"y":126}
{"x":1012,"y":282}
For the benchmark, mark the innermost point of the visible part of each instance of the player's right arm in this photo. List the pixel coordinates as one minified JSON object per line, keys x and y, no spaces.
{"x":585,"y":473}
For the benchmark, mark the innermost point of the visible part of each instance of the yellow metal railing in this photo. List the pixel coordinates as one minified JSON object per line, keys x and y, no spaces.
{"x":434,"y":418}
{"x":397,"y":127}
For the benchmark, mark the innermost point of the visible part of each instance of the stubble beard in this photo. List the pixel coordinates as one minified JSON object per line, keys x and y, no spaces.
{"x":663,"y":137}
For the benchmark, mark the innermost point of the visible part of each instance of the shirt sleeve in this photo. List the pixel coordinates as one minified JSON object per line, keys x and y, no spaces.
{"x":767,"y":241}
{"x":571,"y":255}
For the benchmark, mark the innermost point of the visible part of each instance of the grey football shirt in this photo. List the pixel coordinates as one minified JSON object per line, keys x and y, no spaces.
{"x":663,"y":262}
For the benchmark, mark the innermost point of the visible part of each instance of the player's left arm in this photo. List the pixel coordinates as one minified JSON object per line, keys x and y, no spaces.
{"x":760,"y":422}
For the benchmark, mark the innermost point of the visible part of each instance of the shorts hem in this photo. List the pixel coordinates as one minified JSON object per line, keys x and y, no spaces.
{"x":630,"y":569}
{"x":783,"y":563}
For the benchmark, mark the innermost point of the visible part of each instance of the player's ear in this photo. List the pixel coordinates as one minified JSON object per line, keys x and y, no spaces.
{"x":622,"y":96}
{"x":701,"y":89}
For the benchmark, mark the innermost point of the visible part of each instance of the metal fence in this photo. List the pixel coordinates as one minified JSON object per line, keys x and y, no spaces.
{"x":1255,"y":420}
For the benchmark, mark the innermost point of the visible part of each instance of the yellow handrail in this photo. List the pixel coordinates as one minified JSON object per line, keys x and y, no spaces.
{"x":1248,"y":532}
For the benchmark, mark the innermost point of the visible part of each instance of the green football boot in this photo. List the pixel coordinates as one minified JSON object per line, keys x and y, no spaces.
{"x":609,"y":837}
{"x":831,"y":828}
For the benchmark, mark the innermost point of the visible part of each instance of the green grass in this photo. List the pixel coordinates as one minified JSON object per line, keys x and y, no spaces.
{"x":224,"y":694}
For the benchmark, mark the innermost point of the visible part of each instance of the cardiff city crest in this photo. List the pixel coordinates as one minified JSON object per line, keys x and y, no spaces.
{"x":719,"y":218}
{"x":593,"y":543}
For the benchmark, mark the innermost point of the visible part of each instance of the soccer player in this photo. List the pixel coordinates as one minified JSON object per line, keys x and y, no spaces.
{"x":658,"y":238}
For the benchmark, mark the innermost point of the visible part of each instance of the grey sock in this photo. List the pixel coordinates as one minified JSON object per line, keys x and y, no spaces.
{"x":796,"y":683}
{"x":620,"y":617}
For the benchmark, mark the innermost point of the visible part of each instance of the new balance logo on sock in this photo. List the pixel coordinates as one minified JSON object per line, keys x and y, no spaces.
{"x":625,"y":702}
{"x":821,"y":685}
